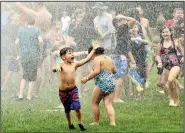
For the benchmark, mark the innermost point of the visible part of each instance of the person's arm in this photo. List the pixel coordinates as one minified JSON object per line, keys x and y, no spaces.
{"x":131,"y":58}
{"x":114,"y":70}
{"x":80,"y":53}
{"x":96,"y":67}
{"x":148,"y":31}
{"x":143,"y":41}
{"x":110,"y":27}
{"x":83,"y":61}
{"x":131,"y":21}
{"x":158,"y":56}
{"x":97,"y":28}
{"x":26,"y":10}
{"x":181,"y":50}
{"x":57,"y":68}
{"x":40,"y":40}
{"x":151,"y":66}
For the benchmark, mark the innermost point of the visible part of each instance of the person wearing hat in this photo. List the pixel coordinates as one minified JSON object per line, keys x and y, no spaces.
{"x":104,"y":27}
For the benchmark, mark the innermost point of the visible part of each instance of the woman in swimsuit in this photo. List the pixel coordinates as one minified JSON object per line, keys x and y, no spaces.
{"x":167,"y":58}
{"x":104,"y":68}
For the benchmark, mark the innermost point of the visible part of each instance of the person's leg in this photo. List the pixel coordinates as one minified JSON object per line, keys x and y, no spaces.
{"x":118,"y":87}
{"x":96,"y":98}
{"x":159,"y":78}
{"x":128,"y":90}
{"x":5,"y":83}
{"x":173,"y":92}
{"x":79,"y":116}
{"x":38,"y":81}
{"x":80,"y":123}
{"x":31,"y":86}
{"x":179,"y":86}
{"x":22,"y":86}
{"x":68,"y":116}
{"x":18,"y":77}
{"x":160,"y":85}
{"x":108,"y":99}
{"x":164,"y":79}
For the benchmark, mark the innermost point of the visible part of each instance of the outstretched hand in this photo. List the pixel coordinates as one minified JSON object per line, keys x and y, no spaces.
{"x":84,"y":80}
{"x":182,"y":60}
{"x":159,"y":65}
{"x":56,"y":69}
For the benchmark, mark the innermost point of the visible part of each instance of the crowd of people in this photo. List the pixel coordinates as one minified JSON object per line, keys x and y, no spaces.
{"x":33,"y":47}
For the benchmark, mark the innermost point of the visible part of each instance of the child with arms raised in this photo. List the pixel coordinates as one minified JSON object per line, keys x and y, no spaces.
{"x":68,"y":91}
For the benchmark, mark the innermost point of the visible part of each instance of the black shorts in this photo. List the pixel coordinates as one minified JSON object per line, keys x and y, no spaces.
{"x":30,"y":70}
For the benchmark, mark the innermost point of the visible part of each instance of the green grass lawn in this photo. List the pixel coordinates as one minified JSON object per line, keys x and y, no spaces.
{"x":147,"y":115}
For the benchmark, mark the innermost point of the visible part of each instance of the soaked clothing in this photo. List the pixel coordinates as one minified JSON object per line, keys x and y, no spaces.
{"x":30,"y":70}
{"x":104,"y":24}
{"x":169,"y":57}
{"x":140,"y":54}
{"x":70,"y":99}
{"x":29,"y":52}
{"x":105,"y":81}
{"x":123,"y":39}
{"x":121,"y":63}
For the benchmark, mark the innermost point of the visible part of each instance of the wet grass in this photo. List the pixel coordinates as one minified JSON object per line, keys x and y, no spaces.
{"x":147,"y":115}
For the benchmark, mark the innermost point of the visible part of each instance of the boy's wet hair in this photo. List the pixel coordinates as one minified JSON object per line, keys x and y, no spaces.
{"x":65,"y":50}
{"x":98,"y":51}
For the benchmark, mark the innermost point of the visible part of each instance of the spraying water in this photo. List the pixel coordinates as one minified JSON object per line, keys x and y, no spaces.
{"x":33,"y":33}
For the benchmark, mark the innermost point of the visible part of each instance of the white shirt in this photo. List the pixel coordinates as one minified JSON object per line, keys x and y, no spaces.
{"x":104,"y":24}
{"x":65,"y":22}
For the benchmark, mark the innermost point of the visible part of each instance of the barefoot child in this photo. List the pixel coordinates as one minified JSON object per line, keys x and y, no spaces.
{"x":167,"y":58}
{"x":103,"y":71}
{"x":68,"y":91}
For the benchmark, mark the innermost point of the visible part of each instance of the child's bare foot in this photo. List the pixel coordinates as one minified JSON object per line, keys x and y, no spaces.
{"x":112,"y":124}
{"x":177,"y":103}
{"x":172,"y":102}
{"x":118,"y":101}
{"x":94,"y":124}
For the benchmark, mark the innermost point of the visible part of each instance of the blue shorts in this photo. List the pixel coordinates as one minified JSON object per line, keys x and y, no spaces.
{"x":121,"y":63}
{"x":70,"y":99}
